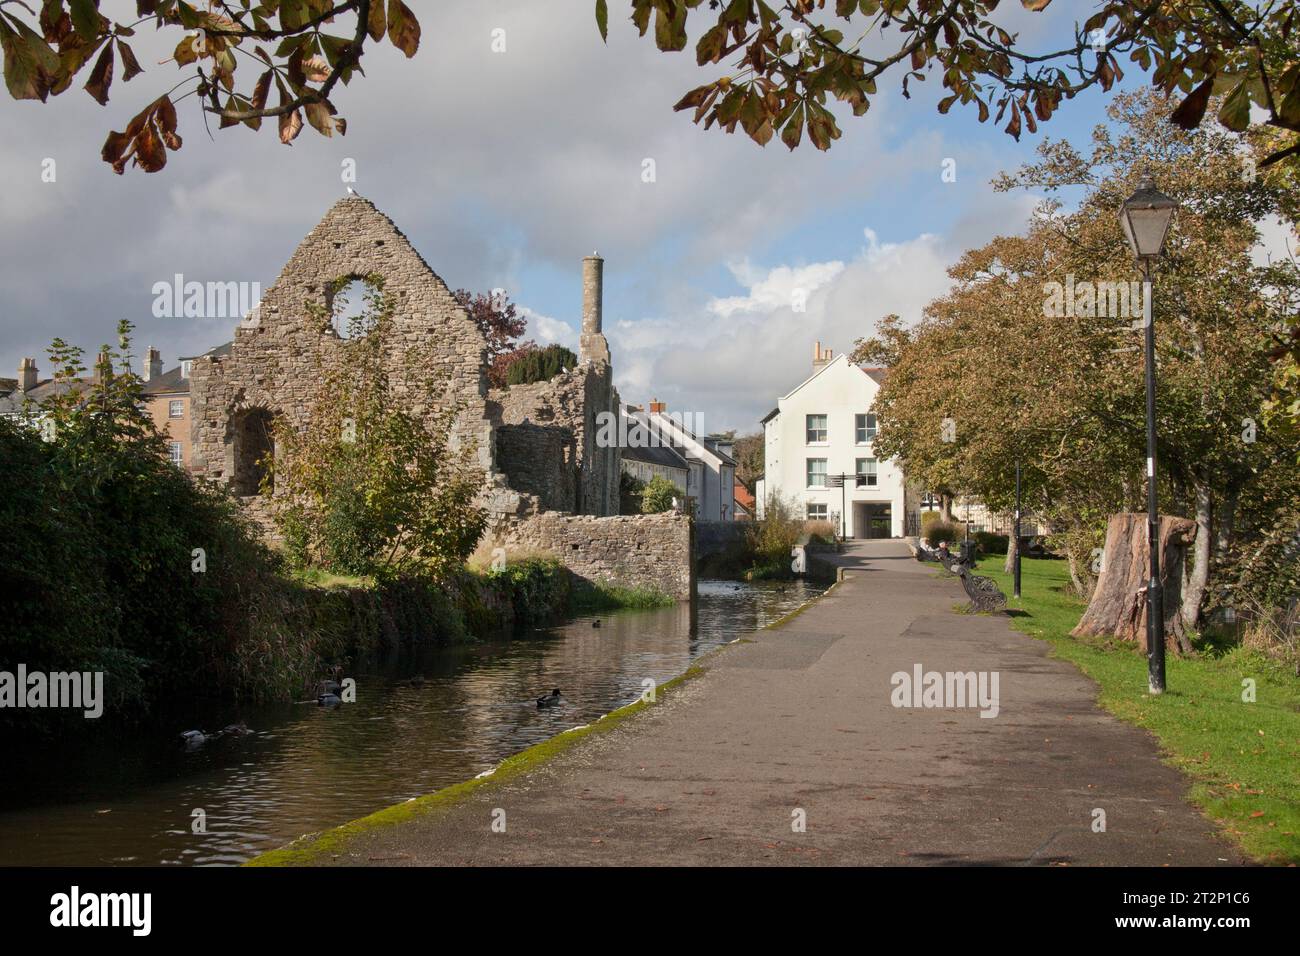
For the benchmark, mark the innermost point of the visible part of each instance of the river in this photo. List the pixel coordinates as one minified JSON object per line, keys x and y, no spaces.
{"x":422,"y":720}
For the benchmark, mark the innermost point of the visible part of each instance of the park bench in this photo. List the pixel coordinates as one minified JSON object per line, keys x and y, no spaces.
{"x":984,"y":594}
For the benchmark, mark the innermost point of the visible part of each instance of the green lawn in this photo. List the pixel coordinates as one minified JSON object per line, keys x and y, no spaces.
{"x":1243,"y":758}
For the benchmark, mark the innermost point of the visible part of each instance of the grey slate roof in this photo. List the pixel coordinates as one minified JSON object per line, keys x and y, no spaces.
{"x":664,"y":455}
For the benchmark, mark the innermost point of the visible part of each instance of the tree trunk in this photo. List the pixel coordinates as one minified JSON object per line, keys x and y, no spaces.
{"x":1199,"y":572}
{"x":945,"y":508}
{"x":1078,"y":579}
{"x":1119,"y":602}
{"x":1012,"y":547}
{"x":1225,"y":526}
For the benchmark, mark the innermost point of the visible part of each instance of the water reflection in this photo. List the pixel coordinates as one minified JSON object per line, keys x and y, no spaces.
{"x":422,"y":721}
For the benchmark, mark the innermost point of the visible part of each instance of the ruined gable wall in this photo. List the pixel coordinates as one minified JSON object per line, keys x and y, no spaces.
{"x":274,"y":359}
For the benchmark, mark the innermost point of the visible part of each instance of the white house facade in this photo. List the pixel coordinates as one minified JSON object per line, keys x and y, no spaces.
{"x":711,"y":471}
{"x":820,"y":455}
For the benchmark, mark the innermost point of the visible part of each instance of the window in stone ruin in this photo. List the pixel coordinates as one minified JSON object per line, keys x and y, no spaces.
{"x":254,"y":447}
{"x":353,"y":303}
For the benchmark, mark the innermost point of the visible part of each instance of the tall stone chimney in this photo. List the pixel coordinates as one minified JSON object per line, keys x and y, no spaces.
{"x":152,"y":364}
{"x":821,"y":357}
{"x":27,"y":375}
{"x":592,"y":345}
{"x":103,"y":368}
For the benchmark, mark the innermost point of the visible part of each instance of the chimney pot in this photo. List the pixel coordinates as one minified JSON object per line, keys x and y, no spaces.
{"x":27,"y":375}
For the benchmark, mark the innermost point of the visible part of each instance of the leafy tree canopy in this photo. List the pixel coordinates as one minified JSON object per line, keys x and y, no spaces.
{"x":304,"y":48}
{"x":786,"y":58}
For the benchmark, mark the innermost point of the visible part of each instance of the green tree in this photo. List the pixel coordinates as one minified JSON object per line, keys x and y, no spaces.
{"x":113,"y":559}
{"x":539,"y":365}
{"x":365,"y":485}
{"x":749,"y":452}
{"x":496,"y":318}
{"x":1061,"y":390}
{"x":787,"y":57}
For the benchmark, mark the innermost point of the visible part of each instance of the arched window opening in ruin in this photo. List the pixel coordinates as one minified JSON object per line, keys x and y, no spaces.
{"x":353,"y":303}
{"x":254,"y":441}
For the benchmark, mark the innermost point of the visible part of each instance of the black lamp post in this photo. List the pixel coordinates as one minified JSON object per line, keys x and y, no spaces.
{"x":1015,"y":590}
{"x":1146,"y":216}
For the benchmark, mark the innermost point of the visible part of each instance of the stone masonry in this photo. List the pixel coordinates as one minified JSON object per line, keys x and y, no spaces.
{"x":536,"y":444}
{"x":647,"y":550}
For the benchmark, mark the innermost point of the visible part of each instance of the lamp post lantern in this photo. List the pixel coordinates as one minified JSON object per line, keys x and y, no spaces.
{"x":1145,"y":217}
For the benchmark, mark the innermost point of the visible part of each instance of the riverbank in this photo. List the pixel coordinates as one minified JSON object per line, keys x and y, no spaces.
{"x":425,"y":717}
{"x":785,"y":747}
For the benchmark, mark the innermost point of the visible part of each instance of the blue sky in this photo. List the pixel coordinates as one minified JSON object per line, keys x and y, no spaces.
{"x":505,"y":169}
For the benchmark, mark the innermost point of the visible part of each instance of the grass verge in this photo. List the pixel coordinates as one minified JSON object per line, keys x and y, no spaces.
{"x":1243,"y":758}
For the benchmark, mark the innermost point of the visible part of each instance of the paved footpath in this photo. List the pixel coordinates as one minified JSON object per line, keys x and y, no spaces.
{"x":801,"y":719}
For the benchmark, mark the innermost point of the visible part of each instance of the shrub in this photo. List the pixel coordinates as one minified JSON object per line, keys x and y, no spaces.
{"x":938,"y":531}
{"x":540,"y":365}
{"x":819,"y":532}
{"x":365,"y":485}
{"x":98,"y":562}
{"x":538,"y":587}
{"x":928,"y":518}
{"x":771,"y":539}
{"x":659,"y":494}
{"x":991,"y":543}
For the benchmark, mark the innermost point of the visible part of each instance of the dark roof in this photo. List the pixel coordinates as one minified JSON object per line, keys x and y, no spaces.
{"x":217,"y":350}
{"x":664,"y":455}
{"x":12,"y":404}
{"x":169,"y":381}
{"x":876,"y":372}
{"x":173,"y":382}
{"x":769,"y":416}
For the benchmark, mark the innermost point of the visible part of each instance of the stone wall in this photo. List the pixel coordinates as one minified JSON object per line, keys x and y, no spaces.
{"x":630,"y":550}
{"x":533,"y":420}
{"x":715,"y":537}
{"x":275,"y":362}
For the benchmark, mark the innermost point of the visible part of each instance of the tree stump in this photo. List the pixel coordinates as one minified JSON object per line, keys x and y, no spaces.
{"x":1119,"y":602}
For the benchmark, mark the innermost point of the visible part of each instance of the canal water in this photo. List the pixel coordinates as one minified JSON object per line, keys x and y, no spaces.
{"x":422,"y":721}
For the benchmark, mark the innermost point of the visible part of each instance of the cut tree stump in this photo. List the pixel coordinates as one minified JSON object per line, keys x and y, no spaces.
{"x":1119,"y":603}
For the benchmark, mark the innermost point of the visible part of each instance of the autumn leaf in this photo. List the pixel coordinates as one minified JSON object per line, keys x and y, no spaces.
{"x":290,"y":126}
{"x":31,"y":67}
{"x":403,"y":28}
{"x":101,"y":76}
{"x":130,"y":65}
{"x":1235,"y":112}
{"x":318,"y":114}
{"x":377,"y":24}
{"x":602,"y":19}
{"x":150,"y":153}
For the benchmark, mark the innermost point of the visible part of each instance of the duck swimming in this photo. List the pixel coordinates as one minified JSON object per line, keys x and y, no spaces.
{"x":549,"y":700}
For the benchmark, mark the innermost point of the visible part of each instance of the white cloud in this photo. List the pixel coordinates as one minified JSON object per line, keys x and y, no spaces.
{"x":545,"y":330}
{"x":729,"y":358}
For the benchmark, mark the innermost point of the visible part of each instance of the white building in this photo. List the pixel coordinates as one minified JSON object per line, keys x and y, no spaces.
{"x":820,"y":456}
{"x":711,"y":471}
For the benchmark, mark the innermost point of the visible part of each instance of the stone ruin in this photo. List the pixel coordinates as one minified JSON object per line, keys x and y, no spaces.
{"x":536,"y":444}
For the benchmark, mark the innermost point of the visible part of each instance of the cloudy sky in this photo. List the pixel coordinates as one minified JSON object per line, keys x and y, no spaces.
{"x":505,"y":169}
